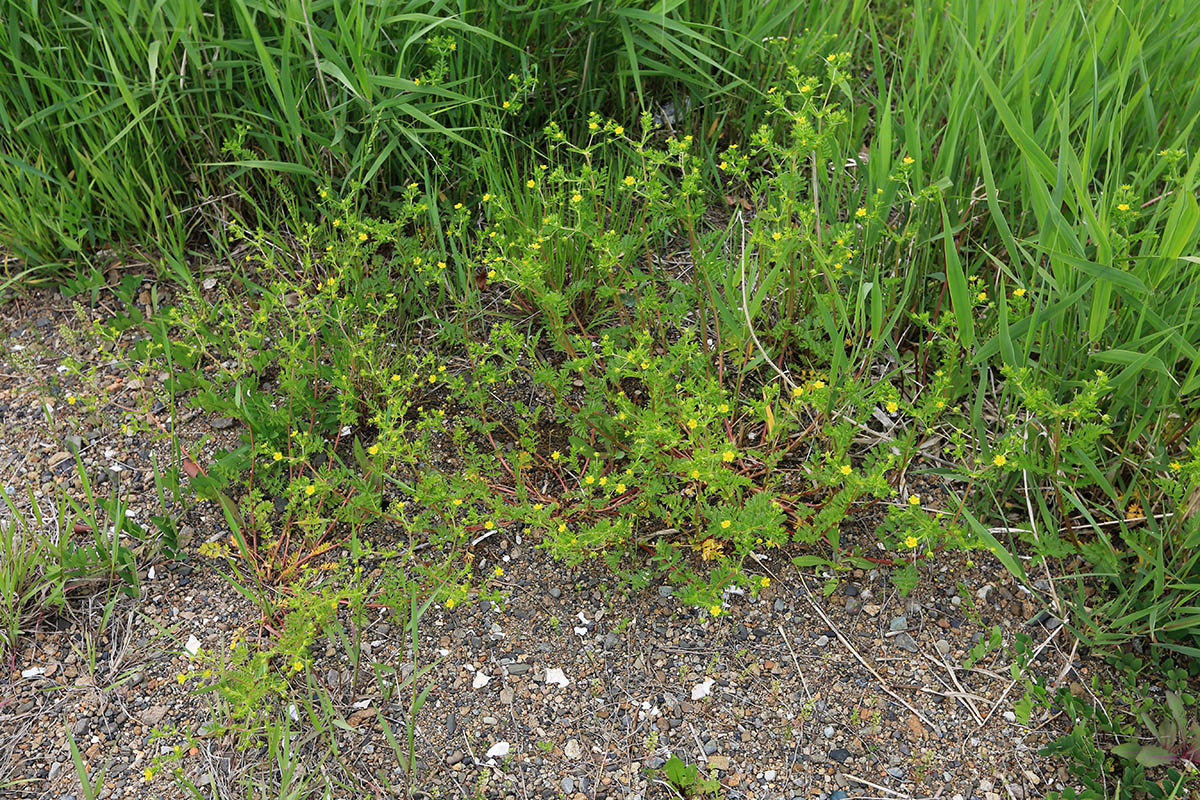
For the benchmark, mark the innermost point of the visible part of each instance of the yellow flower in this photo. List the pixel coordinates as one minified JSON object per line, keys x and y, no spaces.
{"x":562,"y":526}
{"x":441,"y":265}
{"x":590,"y":479}
{"x":458,"y":501}
{"x":337,"y":223}
{"x":487,"y":196}
{"x":629,"y":180}
{"x":695,"y":473}
{"x":593,"y":125}
{"x":181,"y":678}
{"x":728,"y":456}
{"x":725,"y":524}
{"x":278,"y":456}
{"x":911,"y":542}
{"x":1000,"y":460}
{"x":914,"y":499}
{"x":862,"y":212}
{"x":621,"y":488}
{"x":603,"y":480}
{"x":498,"y":571}
{"x":846,"y":469}
{"x":529,"y":184}
{"x":692,"y":423}
{"x":450,"y":602}
{"x":1176,"y":466}
{"x":575,"y":198}
{"x":981,"y":296}
{"x":70,"y":399}
{"x":491,"y":273}
{"x":362,"y":237}
{"x":765,"y":582}
{"x":1019,"y":291}
{"x":506,"y":104}
{"x":1122,"y":206}
{"x":310,"y":490}
{"x":147,"y":774}
{"x":489,"y":525}
{"x":818,"y":384}
{"x":908,"y":159}
{"x":777,"y":236}
{"x":723,"y":165}
{"x":723,"y":408}
{"x":892,"y":406}
{"x":716,"y":611}
{"x":373,"y":449}
{"x":538,"y":506}
{"x":555,"y":456}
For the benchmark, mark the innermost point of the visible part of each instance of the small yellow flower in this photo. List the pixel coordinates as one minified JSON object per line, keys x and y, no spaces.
{"x":70,"y":399}
{"x":323,"y":194}
{"x":716,"y":611}
{"x":278,"y":456}
{"x":506,"y":104}
{"x":575,"y":198}
{"x":862,"y":212}
{"x":818,"y":384}
{"x":373,"y":449}
{"x":777,"y":236}
{"x":441,"y":265}
{"x":765,"y":582}
{"x":555,"y":456}
{"x":491,"y":273}
{"x":723,"y":165}
{"x":147,"y":774}
{"x":396,"y":379}
{"x":337,"y":223}
{"x":981,"y":296}
{"x":603,"y":480}
{"x":1176,"y":466}
{"x":914,"y":499}
{"x":362,"y":237}
{"x":1122,"y":206}
{"x":458,"y":501}
{"x":691,"y":423}
{"x":723,"y":408}
{"x":1000,"y":460}
{"x":538,"y":506}
{"x":619,"y":130}
{"x":562,"y":526}
{"x":892,"y":406}
{"x":450,"y":602}
{"x":846,"y":469}
{"x":487,"y":197}
{"x":590,"y":479}
{"x":725,"y":524}
{"x":911,"y":542}
{"x":498,"y":571}
{"x":629,"y":180}
{"x":181,"y":678}
{"x":1019,"y":291}
{"x":310,"y":490}
{"x":529,"y":184}
{"x":908,"y":159}
{"x":620,"y":488}
{"x":593,"y":125}
{"x":695,"y":473}
{"x":489,"y":525}
{"x":728,"y":456}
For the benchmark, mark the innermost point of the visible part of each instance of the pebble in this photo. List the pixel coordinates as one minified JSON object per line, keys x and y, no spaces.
{"x":555,"y":592}
{"x":454,"y":758}
{"x":517,"y":668}
{"x":898,"y":624}
{"x":905,"y":642}
{"x":822,"y":641}
{"x":839,"y":755}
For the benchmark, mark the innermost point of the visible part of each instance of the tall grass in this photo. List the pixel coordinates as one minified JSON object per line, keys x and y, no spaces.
{"x":146,"y":124}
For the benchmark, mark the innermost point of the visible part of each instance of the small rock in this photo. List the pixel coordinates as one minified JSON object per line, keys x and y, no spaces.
{"x":555,"y":592}
{"x":905,"y":642}
{"x":517,"y":668}
{"x":573,"y":749}
{"x":454,"y":758}
{"x":898,"y":624}
{"x":719,"y":762}
{"x":568,"y":785}
{"x":223,"y":423}
{"x":821,"y":641}
{"x":839,"y":755}
{"x":942,"y":646}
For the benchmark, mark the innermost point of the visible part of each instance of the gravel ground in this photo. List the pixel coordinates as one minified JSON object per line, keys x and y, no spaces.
{"x":566,"y":690}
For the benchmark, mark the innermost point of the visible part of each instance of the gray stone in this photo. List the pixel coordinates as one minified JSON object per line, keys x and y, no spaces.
{"x":905,"y":642}
{"x":899,"y":624}
{"x":517,"y":668}
{"x":568,"y":785}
